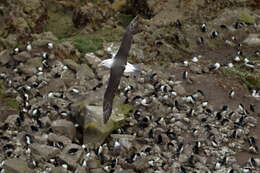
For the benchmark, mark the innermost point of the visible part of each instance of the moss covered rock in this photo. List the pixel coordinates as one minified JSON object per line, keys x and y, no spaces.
{"x":246,"y":17}
{"x":89,"y":114}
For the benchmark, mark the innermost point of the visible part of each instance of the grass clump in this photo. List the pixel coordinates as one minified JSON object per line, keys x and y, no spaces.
{"x":246,"y":17}
{"x":92,"y":42}
{"x":250,"y":79}
{"x":11,"y":102}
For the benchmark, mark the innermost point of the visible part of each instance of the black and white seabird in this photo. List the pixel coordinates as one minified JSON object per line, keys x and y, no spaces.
{"x":118,"y":65}
{"x":195,"y":59}
{"x":231,"y":93}
{"x":186,"y":63}
{"x":250,"y":64}
{"x":50,"y":45}
{"x":29,"y":46}
{"x":185,"y":75}
{"x":214,"y":34}
{"x":204,"y":28}
{"x":237,"y":58}
{"x":230,"y":65}
{"x":214,"y":66}
{"x":15,"y":51}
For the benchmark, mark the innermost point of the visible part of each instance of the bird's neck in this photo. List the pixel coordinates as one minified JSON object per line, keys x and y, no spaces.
{"x":125,"y":44}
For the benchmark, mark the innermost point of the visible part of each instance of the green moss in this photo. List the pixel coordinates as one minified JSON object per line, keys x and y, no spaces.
{"x":246,"y":17}
{"x":88,"y":43}
{"x":11,"y":102}
{"x":253,"y":81}
{"x":96,"y":132}
{"x":125,"y":108}
{"x":94,"y":41}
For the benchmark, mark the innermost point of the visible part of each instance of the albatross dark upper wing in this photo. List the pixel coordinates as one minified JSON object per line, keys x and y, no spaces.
{"x":126,"y":42}
{"x":118,"y":67}
{"x":114,"y":80}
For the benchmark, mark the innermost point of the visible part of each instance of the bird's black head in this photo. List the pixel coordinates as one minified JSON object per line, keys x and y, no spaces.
{"x":133,"y":27}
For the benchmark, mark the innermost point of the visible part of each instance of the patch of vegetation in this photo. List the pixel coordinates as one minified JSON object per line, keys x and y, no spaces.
{"x":125,"y":108}
{"x":119,"y":5}
{"x":246,"y":17}
{"x":250,"y":79}
{"x":59,"y":23}
{"x":125,"y":19}
{"x":7,"y":100}
{"x":94,"y":41}
{"x":12,"y":103}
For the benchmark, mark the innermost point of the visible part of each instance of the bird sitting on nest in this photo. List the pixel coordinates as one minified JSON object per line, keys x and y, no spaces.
{"x":118,"y":65}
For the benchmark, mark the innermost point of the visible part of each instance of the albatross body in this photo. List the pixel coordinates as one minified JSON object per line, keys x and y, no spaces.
{"x":118,"y":65}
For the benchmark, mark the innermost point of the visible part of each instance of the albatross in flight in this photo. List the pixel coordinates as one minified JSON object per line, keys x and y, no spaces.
{"x":118,"y":65}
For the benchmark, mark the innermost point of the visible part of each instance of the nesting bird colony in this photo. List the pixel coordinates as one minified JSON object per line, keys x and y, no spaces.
{"x":168,"y":130}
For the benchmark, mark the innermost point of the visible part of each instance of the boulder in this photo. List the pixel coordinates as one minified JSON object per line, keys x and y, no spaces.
{"x":64,"y":127}
{"x":252,"y":40}
{"x":55,"y":138}
{"x":66,"y":50}
{"x":89,"y":115}
{"x":92,"y":164}
{"x":71,"y":64}
{"x":22,"y":56}
{"x":84,"y":72}
{"x":58,"y":170}
{"x":43,"y":152}
{"x":92,"y":59}
{"x":72,"y":154}
{"x":97,"y":170}
{"x":5,"y":57}
{"x":16,"y":165}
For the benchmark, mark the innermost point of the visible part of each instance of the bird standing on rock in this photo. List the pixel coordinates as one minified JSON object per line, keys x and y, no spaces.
{"x":118,"y":65}
{"x":29,"y":46}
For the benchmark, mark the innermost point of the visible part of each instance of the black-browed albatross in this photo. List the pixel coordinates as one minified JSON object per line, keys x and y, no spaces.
{"x":118,"y":65}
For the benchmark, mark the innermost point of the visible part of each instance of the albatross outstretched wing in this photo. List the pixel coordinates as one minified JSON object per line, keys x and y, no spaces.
{"x":118,"y":67}
{"x":114,"y":80}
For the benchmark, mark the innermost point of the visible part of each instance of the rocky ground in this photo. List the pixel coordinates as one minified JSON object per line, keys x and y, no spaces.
{"x":195,"y":106}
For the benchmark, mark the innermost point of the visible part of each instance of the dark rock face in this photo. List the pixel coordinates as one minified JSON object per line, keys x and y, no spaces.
{"x":81,"y":17}
{"x":141,"y":7}
{"x":91,"y":15}
{"x":33,"y":10}
{"x":20,"y":20}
